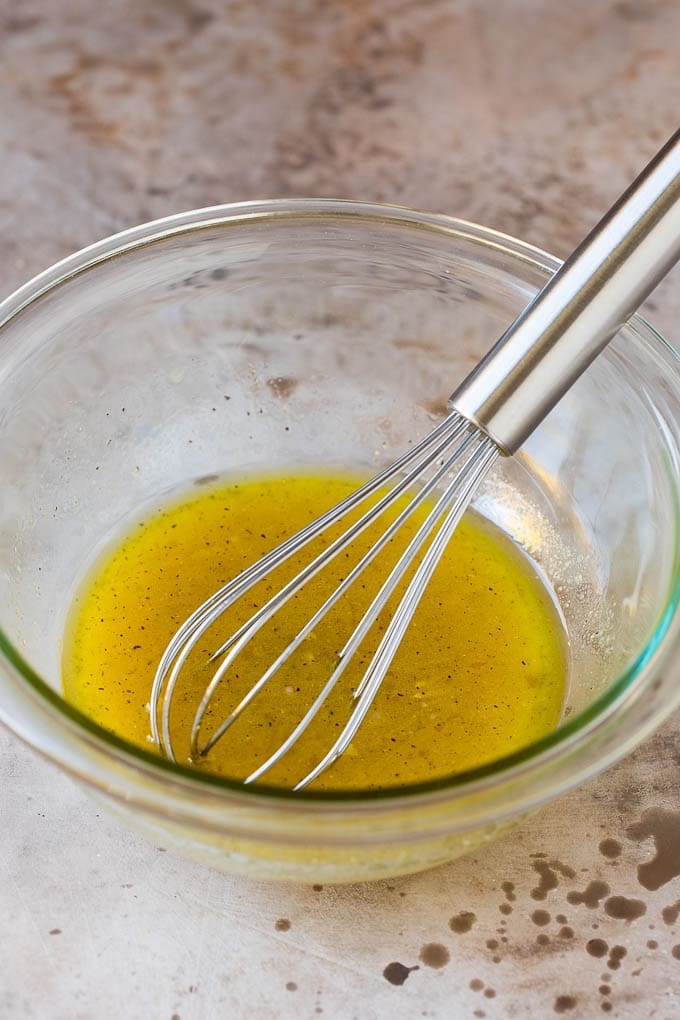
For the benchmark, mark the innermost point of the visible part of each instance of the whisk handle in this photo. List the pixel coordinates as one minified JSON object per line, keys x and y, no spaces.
{"x":579,"y":310}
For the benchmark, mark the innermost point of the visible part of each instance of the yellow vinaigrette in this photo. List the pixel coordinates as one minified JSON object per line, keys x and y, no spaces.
{"x":480,"y":674}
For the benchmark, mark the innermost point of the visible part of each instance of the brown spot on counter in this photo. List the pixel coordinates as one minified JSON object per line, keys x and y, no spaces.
{"x":597,"y":947}
{"x":397,"y":973}
{"x":610,"y":848}
{"x":616,"y":954}
{"x":670,"y":913}
{"x":434,"y":954}
{"x":548,"y":872}
{"x":591,"y":896}
{"x":540,"y":917}
{"x":624,"y":909}
{"x":664,"y":828}
{"x":462,"y":922}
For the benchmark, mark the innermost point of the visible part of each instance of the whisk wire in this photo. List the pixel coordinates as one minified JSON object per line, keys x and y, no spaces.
{"x":187,"y":636}
{"x":338,"y":592}
{"x":370,"y":684}
{"x":238,"y":641}
{"x":336,"y":547}
{"x":466,"y":477}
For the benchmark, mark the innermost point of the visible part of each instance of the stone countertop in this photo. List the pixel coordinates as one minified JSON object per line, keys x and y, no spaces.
{"x":528,"y":116}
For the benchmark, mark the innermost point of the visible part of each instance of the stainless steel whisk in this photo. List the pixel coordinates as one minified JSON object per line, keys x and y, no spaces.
{"x":493,"y":411}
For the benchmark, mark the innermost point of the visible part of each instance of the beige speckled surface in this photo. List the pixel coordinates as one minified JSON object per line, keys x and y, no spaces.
{"x":527,"y":115}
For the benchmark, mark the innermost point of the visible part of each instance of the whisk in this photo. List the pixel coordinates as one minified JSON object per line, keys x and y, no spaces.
{"x":492,"y":413}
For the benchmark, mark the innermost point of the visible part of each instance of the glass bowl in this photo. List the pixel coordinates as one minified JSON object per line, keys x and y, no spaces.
{"x":275,"y":334}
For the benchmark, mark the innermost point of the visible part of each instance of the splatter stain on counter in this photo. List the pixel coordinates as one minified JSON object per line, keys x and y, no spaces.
{"x":509,"y":890}
{"x":435,"y":955}
{"x":591,"y":896}
{"x":282,"y":386}
{"x":513,"y":944}
{"x":548,"y":872}
{"x":670,"y":913}
{"x":397,"y":973}
{"x":540,"y":917}
{"x":462,"y":922}
{"x":624,"y":909}
{"x":616,"y":955}
{"x":664,"y":828}
{"x":564,"y":1003}
{"x":610,"y":848}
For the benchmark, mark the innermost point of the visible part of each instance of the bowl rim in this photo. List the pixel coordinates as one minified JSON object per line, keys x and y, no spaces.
{"x":547,"y":751}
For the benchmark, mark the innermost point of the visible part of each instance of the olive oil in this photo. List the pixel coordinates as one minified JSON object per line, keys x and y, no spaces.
{"x":480,"y":674}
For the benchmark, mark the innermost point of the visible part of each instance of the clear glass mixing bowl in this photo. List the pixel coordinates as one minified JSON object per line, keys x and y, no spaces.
{"x":308,"y":332}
